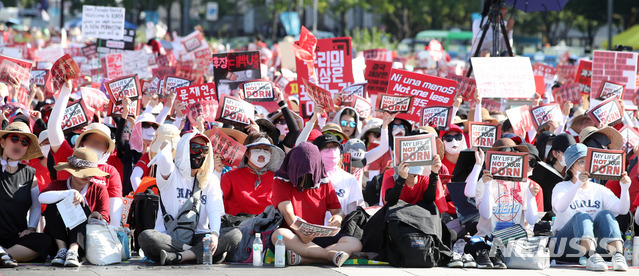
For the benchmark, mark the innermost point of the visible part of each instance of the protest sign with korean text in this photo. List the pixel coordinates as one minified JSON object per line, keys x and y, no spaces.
{"x":618,"y":67}
{"x":546,"y":113}
{"x":319,"y":95}
{"x":232,"y":69}
{"x":567,"y":93}
{"x":608,"y":112}
{"x":195,"y":93}
{"x":610,"y":89}
{"x":377,"y":74}
{"x":38,"y":77}
{"x":171,"y":83}
{"x":394,"y":104}
{"x":258,"y":91}
{"x":465,"y":86}
{"x":520,"y":119}
{"x":548,"y":72}
{"x":566,"y":73}
{"x":103,"y":22}
{"x":76,"y":116}
{"x":605,"y":164}
{"x":417,"y":150}
{"x":332,"y":63}
{"x":439,"y":117}
{"x":378,"y":54}
{"x":205,"y":108}
{"x":118,"y":89}
{"x":62,"y":70}
{"x":584,"y":75}
{"x":509,"y":166}
{"x":362,"y":106}
{"x":630,"y":138}
{"x":230,"y":151}
{"x":235,"y":111}
{"x":427,"y":90}
{"x":504,"y":77}
{"x":12,"y":70}
{"x":483,"y":135}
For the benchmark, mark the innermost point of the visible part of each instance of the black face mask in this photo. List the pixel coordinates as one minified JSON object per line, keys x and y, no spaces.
{"x":306,"y":182}
{"x":197,"y":160}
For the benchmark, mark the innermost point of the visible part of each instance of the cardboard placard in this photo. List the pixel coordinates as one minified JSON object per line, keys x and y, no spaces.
{"x":9,"y":69}
{"x":235,"y":111}
{"x":172,"y":82}
{"x":319,"y":95}
{"x":76,"y":116}
{"x":584,"y":75}
{"x":520,"y":119}
{"x":333,"y":64}
{"x":195,"y":93}
{"x":378,"y":54}
{"x":356,"y":89}
{"x":504,"y":77}
{"x":618,"y":67}
{"x":630,"y":138}
{"x":38,"y":77}
{"x":232,"y":69}
{"x":377,"y":74}
{"x":566,"y":73}
{"x":117,"y":109}
{"x":394,"y":104}
{"x":417,"y":150}
{"x":103,"y":22}
{"x":362,"y":106}
{"x":605,"y":164}
{"x":258,"y":91}
{"x":229,"y":150}
{"x":206,"y":108}
{"x":194,"y":41}
{"x":491,"y":106}
{"x":610,"y":89}
{"x":608,"y":112}
{"x":548,"y":72}
{"x":546,"y":113}
{"x":62,"y":70}
{"x":118,"y":89}
{"x":438,"y":117}
{"x":483,"y":135}
{"x":465,"y":86}
{"x":567,"y":93}
{"x":509,"y":166}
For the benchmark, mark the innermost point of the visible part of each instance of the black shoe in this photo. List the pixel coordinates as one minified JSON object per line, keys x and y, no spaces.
{"x":169,"y":258}
{"x":497,"y":261}
{"x":483,"y":260}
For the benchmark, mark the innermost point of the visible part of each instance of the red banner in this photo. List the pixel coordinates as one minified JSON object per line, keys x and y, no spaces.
{"x":114,"y":66}
{"x":619,"y":67}
{"x":548,"y":72}
{"x":195,"y":93}
{"x":62,"y":70}
{"x":584,"y":75}
{"x":427,"y":90}
{"x":229,"y":150}
{"x":319,"y":95}
{"x":567,"y":93}
{"x":17,"y":68}
{"x":377,"y":74}
{"x":465,"y":86}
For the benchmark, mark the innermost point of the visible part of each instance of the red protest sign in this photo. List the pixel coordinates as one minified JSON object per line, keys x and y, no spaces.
{"x":509,"y":166}
{"x":618,"y":67}
{"x":171,"y":83}
{"x":567,"y":93}
{"x":114,"y":66}
{"x":258,"y":91}
{"x":23,"y":97}
{"x":15,"y":68}
{"x":465,"y":86}
{"x":377,"y":74}
{"x":378,"y":55}
{"x":162,"y":72}
{"x":62,"y":70}
{"x":609,"y":89}
{"x":195,"y":93}
{"x":38,"y":77}
{"x":483,"y":135}
{"x":356,"y":89}
{"x":417,"y":150}
{"x":605,"y":164}
{"x":566,"y":73}
{"x":548,"y":72}
{"x":427,"y":90}
{"x":608,"y":112}
{"x":394,"y":104}
{"x":118,"y":89}
{"x":630,"y":138}
{"x":235,"y":111}
{"x":540,"y":86}
{"x":203,"y":57}
{"x":167,"y":60}
{"x":362,"y":106}
{"x":206,"y":108}
{"x":438,"y":117}
{"x":319,"y":95}
{"x":584,"y":75}
{"x":117,"y":109}
{"x":229,"y":150}
{"x":76,"y":116}
{"x":546,"y":113}
{"x":490,"y":105}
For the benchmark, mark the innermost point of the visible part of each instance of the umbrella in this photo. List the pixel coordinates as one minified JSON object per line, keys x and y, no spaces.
{"x":537,"y":5}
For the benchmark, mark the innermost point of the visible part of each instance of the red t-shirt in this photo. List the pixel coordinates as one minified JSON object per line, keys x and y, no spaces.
{"x":539,"y":197}
{"x":97,"y":197}
{"x":448,"y":164}
{"x":42,"y":176}
{"x":240,"y":194}
{"x":143,"y":164}
{"x":613,"y":185}
{"x":309,"y":204}
{"x":382,"y":163}
{"x":113,"y":184}
{"x":415,"y":194}
{"x":115,"y":161}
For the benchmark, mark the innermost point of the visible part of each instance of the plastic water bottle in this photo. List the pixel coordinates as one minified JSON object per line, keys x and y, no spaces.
{"x":257,"y":250}
{"x":635,"y":251}
{"x":127,"y":242}
{"x":627,"y":248}
{"x":207,"y":258}
{"x":459,"y":246}
{"x":280,"y":252}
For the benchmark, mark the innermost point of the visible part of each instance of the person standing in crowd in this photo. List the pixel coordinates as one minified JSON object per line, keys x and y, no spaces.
{"x":586,"y":211}
{"x":19,"y":191}
{"x":83,"y":166}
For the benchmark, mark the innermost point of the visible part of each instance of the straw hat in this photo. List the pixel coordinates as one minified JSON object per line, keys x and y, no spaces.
{"x":235,"y":134}
{"x":485,"y":116}
{"x":616,"y":140}
{"x":277,"y":155}
{"x":21,"y":128}
{"x":99,"y":129}
{"x":336,"y":130}
{"x":82,"y":164}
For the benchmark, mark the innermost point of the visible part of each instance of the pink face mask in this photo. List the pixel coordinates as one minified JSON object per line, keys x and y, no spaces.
{"x":330,"y":158}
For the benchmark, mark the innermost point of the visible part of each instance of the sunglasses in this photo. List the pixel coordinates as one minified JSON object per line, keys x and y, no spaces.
{"x":197,"y":148}
{"x":376,"y":134}
{"x":449,"y":138}
{"x":347,"y":123}
{"x":398,"y":126}
{"x":148,"y":125}
{"x":281,"y":122}
{"x":339,"y":136}
{"x":532,"y":163}
{"x":16,"y":138}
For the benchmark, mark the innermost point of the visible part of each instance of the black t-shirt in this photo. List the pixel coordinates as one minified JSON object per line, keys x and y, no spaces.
{"x":15,"y":200}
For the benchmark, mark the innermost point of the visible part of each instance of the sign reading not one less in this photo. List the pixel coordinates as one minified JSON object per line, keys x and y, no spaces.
{"x":103,"y":22}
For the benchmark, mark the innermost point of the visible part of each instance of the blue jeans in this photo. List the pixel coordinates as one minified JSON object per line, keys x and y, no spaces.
{"x":604,"y":228}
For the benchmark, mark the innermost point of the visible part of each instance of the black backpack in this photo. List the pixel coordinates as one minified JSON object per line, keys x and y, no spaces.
{"x":353,"y":224}
{"x":373,"y":189}
{"x":143,"y":213}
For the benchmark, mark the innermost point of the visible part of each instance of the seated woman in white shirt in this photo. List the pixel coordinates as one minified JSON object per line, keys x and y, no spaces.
{"x":586,"y":211}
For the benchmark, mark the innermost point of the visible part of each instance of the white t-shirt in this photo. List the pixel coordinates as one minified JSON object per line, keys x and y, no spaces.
{"x":591,"y":201}
{"x":348,"y":191}
{"x":177,"y":190}
{"x":488,"y":40}
{"x":509,"y":204}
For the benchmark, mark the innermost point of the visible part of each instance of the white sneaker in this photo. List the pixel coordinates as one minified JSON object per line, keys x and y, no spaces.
{"x":59,"y":258}
{"x":619,"y":262}
{"x":596,"y":263}
{"x":72,"y":259}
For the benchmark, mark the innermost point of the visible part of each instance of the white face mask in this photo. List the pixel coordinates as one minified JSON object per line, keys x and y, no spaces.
{"x":148,"y":133}
{"x":102,"y":156}
{"x":45,"y":150}
{"x":452,"y":147}
{"x":562,"y":161}
{"x":548,"y":147}
{"x":398,"y":130}
{"x":255,"y":157}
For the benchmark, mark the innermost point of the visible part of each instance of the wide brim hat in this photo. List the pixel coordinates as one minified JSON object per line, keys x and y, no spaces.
{"x":82,"y":164}
{"x":573,"y":153}
{"x":33,"y":151}
{"x":100,"y":129}
{"x":235,"y":134}
{"x":485,"y":116}
{"x":502,"y":143}
{"x":616,"y":140}
{"x":276,"y":115}
{"x":277,"y":154}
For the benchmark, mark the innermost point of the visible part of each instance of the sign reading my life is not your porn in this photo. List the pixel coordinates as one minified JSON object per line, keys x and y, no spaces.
{"x":509,"y":166}
{"x":605,"y":164}
{"x":483,"y":135}
{"x":418,"y":150}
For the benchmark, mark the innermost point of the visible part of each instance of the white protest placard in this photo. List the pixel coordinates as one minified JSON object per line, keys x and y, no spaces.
{"x":483,"y":135}
{"x":630,"y":138}
{"x":546,"y":113}
{"x":362,"y":106}
{"x":438,"y":117}
{"x":103,"y":22}
{"x":504,"y":77}
{"x":509,"y":166}
{"x":607,"y":112}
{"x":417,"y":150}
